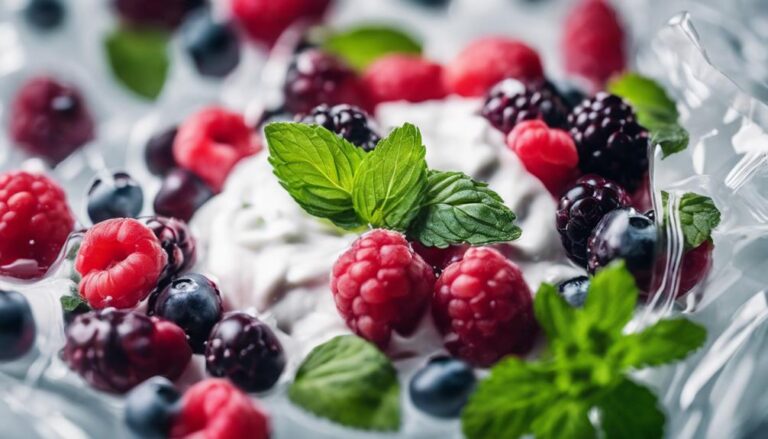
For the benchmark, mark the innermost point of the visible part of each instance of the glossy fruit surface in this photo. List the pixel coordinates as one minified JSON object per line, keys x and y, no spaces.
{"x":150,"y":408}
{"x":442,"y":387}
{"x":17,"y":326}
{"x":117,"y":196}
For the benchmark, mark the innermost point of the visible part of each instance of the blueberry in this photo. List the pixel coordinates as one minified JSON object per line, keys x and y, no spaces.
{"x":150,"y":408}
{"x":574,"y":291}
{"x":158,"y":153}
{"x":17,"y":326}
{"x":193,"y":302}
{"x":214,"y":47}
{"x":45,"y":14}
{"x":432,"y":3}
{"x":181,"y":194}
{"x":117,"y":197}
{"x":441,"y":388}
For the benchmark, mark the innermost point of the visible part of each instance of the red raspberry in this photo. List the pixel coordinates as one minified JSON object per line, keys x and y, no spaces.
{"x":121,"y":261}
{"x":547,"y":153}
{"x":50,"y":119}
{"x":380,"y":284}
{"x":35,"y":222}
{"x":483,"y":307}
{"x":487,"y":61}
{"x":593,"y":42}
{"x":211,"y":142}
{"x":265,"y":20}
{"x":403,"y":78}
{"x":215,"y":409}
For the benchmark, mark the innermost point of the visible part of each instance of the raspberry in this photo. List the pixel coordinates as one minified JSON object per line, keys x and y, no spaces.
{"x":484,"y":308}
{"x":610,"y":141}
{"x":581,"y":208}
{"x":403,"y":78}
{"x":439,"y":258}
{"x":487,"y":61}
{"x":211,"y":142}
{"x":121,"y":261}
{"x":381,"y":285}
{"x":215,"y":409}
{"x":315,"y":77}
{"x":166,"y":14}
{"x":50,"y":119}
{"x":116,"y":350}
{"x":547,"y":153}
{"x":265,"y":20}
{"x":35,"y":222}
{"x":594,"y":42}
{"x":347,"y":121}
{"x":509,"y":103}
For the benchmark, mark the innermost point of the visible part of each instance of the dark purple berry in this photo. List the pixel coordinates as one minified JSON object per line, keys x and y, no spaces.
{"x":214,"y":47}
{"x":17,"y":326}
{"x":442,"y":387}
{"x":574,"y":291}
{"x":45,"y":15}
{"x":246,"y":351}
{"x":347,"y":121}
{"x":153,"y":13}
{"x":115,"y":196}
{"x":509,"y":103}
{"x":158,"y":153}
{"x":581,"y":208}
{"x":181,"y":194}
{"x":432,"y":3}
{"x":178,"y":243}
{"x":193,"y":302}
{"x":151,"y":407}
{"x":610,"y":141}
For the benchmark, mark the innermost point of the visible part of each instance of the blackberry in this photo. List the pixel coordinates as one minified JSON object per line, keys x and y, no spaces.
{"x":347,"y":121}
{"x":610,"y":141}
{"x":246,"y":351}
{"x":178,"y":243}
{"x":582,"y":207}
{"x":509,"y":103}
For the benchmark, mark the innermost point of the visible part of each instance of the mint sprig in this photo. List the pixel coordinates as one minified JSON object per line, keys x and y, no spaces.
{"x":585,"y":368}
{"x":349,"y":381}
{"x":74,"y":303}
{"x":139,"y":59}
{"x":360,"y":46}
{"x":698,"y":217}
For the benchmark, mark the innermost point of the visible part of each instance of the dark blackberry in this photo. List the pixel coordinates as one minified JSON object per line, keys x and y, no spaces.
{"x":178,"y":243}
{"x":610,"y":141}
{"x":246,"y":351}
{"x":347,"y":121}
{"x":582,"y":207}
{"x":315,"y":77}
{"x":507,"y":104}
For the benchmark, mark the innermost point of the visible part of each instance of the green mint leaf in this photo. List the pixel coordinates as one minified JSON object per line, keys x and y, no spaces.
{"x":506,"y":402}
{"x":670,"y":136}
{"x":564,"y":419}
{"x":391,"y":180}
{"x":664,"y":342}
{"x":317,"y":168}
{"x":698,"y":217}
{"x":139,"y":59}
{"x":458,"y":209}
{"x":73,"y":303}
{"x":611,"y":299}
{"x":631,"y":411}
{"x":649,"y":100}
{"x":554,"y":314}
{"x":349,"y":381}
{"x":363,"y":45}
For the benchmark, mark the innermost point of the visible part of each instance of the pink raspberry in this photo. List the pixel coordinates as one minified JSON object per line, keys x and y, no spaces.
{"x":265,"y":20}
{"x":483,"y":308}
{"x":216,"y":409}
{"x":487,"y":61}
{"x":380,"y":284}
{"x":547,"y":153}
{"x":403,"y":78}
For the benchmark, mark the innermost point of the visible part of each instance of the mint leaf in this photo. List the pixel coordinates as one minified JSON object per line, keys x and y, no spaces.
{"x":348,"y":381}
{"x":671,"y":137}
{"x":139,"y":59}
{"x":611,"y":298}
{"x":630,"y":411}
{"x":317,"y":168}
{"x":649,"y":100}
{"x":457,"y":209}
{"x":664,"y":342}
{"x":363,"y":45}
{"x":564,"y":419}
{"x":554,"y":314}
{"x":391,"y":180}
{"x":698,"y":217}
{"x":74,"y":303}
{"x":506,"y":402}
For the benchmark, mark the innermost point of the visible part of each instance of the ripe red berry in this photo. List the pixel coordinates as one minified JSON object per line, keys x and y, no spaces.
{"x":35,"y":222}
{"x":265,"y":20}
{"x":594,"y":42}
{"x":439,"y":258}
{"x":121,"y":261}
{"x":547,"y":153}
{"x":696,"y":266}
{"x":380,"y":284}
{"x":403,"y":78}
{"x":487,"y":61}
{"x":211,"y":142}
{"x":216,"y":409}
{"x":483,"y":308}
